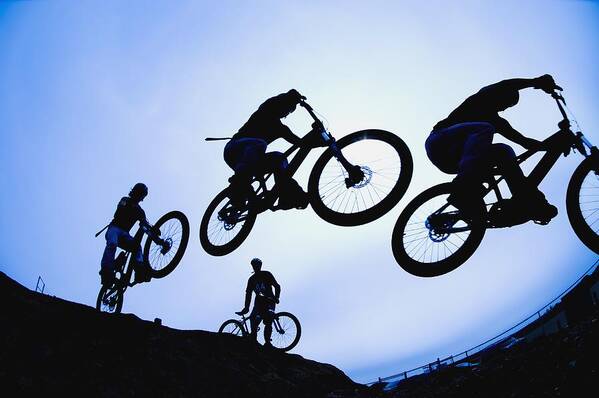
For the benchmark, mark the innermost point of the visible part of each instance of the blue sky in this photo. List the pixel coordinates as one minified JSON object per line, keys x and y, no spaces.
{"x":98,"y":95}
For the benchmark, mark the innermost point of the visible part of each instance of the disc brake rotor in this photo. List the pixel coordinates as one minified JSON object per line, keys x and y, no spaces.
{"x":367,"y":177}
{"x":434,"y":234}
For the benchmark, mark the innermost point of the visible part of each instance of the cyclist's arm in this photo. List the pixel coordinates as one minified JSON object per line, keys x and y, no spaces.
{"x":505,"y":129}
{"x":288,"y":135}
{"x":143,"y":221}
{"x":248,"y":299}
{"x":513,"y":84}
{"x":276,"y":286}
{"x":248,"y":295}
{"x":153,"y":233}
{"x":544,"y":82}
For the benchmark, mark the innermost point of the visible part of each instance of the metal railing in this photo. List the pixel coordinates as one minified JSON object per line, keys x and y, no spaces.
{"x":40,"y":285}
{"x":465,"y":355}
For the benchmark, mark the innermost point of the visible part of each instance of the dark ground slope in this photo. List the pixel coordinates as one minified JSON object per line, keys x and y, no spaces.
{"x":53,"y":347}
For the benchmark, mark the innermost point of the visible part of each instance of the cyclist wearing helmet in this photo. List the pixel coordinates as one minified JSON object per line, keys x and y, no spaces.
{"x":246,"y":152}
{"x":127,"y":213}
{"x":261,"y":283}
{"x":462,"y":144}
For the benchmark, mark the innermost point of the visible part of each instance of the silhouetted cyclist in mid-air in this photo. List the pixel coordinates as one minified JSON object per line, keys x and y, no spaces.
{"x":127,"y":213}
{"x":246,"y":152}
{"x":462,"y":144}
{"x":261,"y":283}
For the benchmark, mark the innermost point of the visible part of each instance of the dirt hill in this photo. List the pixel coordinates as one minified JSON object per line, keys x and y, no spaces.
{"x":54,"y":347}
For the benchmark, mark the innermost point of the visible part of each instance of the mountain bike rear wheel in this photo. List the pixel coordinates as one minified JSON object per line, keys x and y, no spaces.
{"x":232,"y":326}
{"x":386,"y":164}
{"x":582,"y":203}
{"x":174,"y":228}
{"x":224,"y":227}
{"x":286,"y":331}
{"x":110,"y":299}
{"x":430,"y":238}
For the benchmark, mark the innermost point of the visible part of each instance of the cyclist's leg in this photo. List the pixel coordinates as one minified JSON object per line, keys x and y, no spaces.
{"x":243,"y":155}
{"x":462,"y":149}
{"x":476,"y":153}
{"x":527,"y":199}
{"x":504,"y":157}
{"x":291,"y":193}
{"x":142,"y":269}
{"x":268,"y":317}
{"x":107,"y":264}
{"x":255,"y":320}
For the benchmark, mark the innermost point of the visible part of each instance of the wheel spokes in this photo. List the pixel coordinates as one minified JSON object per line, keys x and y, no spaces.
{"x":381,"y":165}
{"x":429,"y":236}
{"x":589,"y":200}
{"x":171,"y":231}
{"x":222,"y":230}
{"x":284,"y":332}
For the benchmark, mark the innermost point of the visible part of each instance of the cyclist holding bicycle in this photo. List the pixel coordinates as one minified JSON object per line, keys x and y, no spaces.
{"x":462,"y":144}
{"x":261,"y":283}
{"x":127,"y":213}
{"x":246,"y":152}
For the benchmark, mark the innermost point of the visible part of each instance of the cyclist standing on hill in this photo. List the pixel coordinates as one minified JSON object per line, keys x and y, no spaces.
{"x":127,"y":213}
{"x":261,"y":283}
{"x":246,"y":152}
{"x":462,"y":144}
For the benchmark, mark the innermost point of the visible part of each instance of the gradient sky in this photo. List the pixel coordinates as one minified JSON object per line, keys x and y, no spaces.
{"x":98,"y":95}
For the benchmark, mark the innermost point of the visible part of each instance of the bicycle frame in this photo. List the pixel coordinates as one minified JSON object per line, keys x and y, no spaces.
{"x":556,"y":143}
{"x":246,"y":330}
{"x":317,"y":130}
{"x":123,"y":261}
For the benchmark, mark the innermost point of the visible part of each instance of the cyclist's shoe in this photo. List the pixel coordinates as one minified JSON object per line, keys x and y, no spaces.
{"x":293,"y":197}
{"x":507,"y":213}
{"x":107,"y":276}
{"x":543,"y":213}
{"x":142,"y":273}
{"x":268,"y":345}
{"x":537,"y":207}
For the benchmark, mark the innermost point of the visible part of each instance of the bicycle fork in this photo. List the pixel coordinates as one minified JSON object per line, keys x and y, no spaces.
{"x":354,"y":172}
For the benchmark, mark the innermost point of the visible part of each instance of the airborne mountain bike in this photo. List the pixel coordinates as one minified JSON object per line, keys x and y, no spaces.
{"x":162,"y":251}
{"x":355,"y":181}
{"x":431,"y":237}
{"x":286,"y":329}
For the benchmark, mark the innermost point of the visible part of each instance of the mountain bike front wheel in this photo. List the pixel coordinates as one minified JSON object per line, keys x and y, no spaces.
{"x":582,"y":202}
{"x":110,"y":299}
{"x":232,"y":326}
{"x":286,"y":331}
{"x":386,"y":165}
{"x":224,"y":227}
{"x":431,"y":238}
{"x":174,"y":229}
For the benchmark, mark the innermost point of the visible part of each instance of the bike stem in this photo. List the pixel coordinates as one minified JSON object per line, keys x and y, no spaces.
{"x":354,"y":173}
